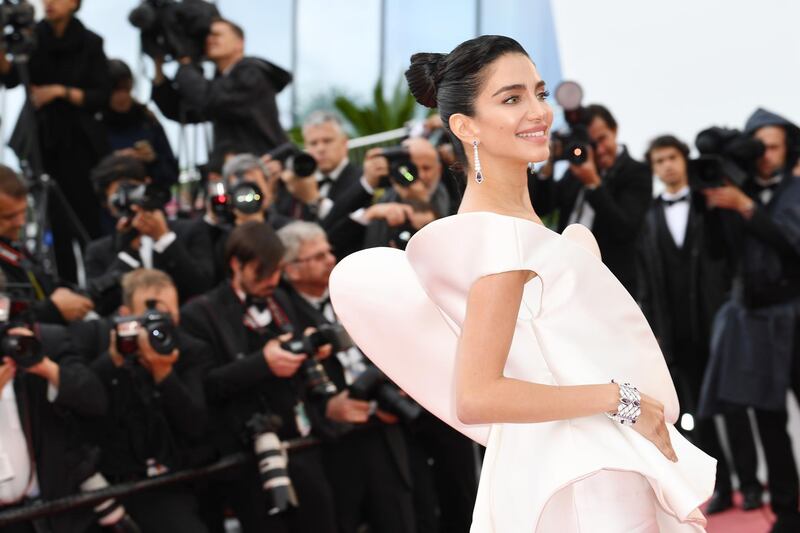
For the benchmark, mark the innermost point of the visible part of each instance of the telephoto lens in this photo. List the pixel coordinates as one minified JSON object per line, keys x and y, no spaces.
{"x":317,"y":380}
{"x":273,"y":464}
{"x":110,"y":513}
{"x":373,"y":385}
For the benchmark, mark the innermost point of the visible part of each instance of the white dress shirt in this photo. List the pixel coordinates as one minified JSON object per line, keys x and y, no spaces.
{"x":677,"y":214}
{"x":16,"y":466}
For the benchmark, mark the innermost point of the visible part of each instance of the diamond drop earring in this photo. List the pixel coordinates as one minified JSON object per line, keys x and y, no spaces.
{"x":478,"y":175}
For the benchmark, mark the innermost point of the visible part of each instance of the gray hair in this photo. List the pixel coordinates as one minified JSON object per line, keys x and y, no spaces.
{"x":294,"y":234}
{"x":318,"y":118}
{"x":241,"y":163}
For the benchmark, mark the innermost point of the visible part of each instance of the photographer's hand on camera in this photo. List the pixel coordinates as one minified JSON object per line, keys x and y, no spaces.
{"x":375,"y":167}
{"x":282,"y":363}
{"x":731,"y":198}
{"x":587,"y":171}
{"x":395,"y":214}
{"x":342,"y":408}
{"x":151,"y":223}
{"x":159,"y":365}
{"x":71,"y":305}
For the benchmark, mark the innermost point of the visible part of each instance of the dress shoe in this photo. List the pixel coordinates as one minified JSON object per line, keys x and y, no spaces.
{"x":752,"y":498}
{"x":720,"y":501}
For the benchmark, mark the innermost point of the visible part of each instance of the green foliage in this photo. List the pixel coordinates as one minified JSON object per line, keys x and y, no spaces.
{"x":380,"y":114}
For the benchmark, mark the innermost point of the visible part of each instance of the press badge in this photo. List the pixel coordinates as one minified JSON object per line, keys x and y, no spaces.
{"x":301,"y":419}
{"x":6,"y":471}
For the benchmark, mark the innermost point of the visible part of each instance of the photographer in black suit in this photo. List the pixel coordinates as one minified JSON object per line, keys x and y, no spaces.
{"x":157,"y":412}
{"x":41,"y":405}
{"x":144,"y":237}
{"x":337,"y":188}
{"x":54,"y":304}
{"x":609,"y":194}
{"x":240,"y":99}
{"x":367,"y":461}
{"x":245,"y":320}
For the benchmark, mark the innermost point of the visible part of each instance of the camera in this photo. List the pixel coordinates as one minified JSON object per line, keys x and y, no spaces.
{"x":25,"y":350}
{"x":573,"y":143}
{"x":295,"y":160}
{"x":243,"y":196}
{"x":158,"y":325}
{"x":372,"y":384}
{"x":317,"y":380}
{"x":17,"y":23}
{"x":724,"y":153}
{"x":272,"y":462}
{"x":402,"y":171}
{"x":174,"y":29}
{"x":147,"y":196}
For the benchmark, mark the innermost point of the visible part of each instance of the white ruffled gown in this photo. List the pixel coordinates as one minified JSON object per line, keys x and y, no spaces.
{"x":577,"y":325}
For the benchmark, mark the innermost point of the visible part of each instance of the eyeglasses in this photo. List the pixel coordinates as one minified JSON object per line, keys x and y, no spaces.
{"x":317,"y":258}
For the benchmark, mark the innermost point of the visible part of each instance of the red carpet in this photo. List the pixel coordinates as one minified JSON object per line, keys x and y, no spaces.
{"x":737,"y":521}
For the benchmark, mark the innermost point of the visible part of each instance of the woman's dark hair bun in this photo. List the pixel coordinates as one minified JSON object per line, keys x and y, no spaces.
{"x":423,"y":77}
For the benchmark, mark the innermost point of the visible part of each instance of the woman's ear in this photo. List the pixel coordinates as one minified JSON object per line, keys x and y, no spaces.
{"x":463,"y":127}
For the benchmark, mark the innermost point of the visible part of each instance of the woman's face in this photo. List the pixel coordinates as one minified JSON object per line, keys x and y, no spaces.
{"x":512,"y":118}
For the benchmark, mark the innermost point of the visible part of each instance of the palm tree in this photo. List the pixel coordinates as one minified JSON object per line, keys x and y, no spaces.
{"x":379,"y":115}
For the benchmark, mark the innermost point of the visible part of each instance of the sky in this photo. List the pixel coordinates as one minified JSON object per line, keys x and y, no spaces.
{"x":677,"y":66}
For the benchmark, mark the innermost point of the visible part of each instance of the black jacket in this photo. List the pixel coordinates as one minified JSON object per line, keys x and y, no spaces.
{"x":53,"y":429}
{"x":189,"y":260}
{"x":20,"y":268}
{"x":240,"y":383}
{"x":709,"y":274}
{"x":619,"y":203}
{"x":146,"y":420}
{"x":240,"y":104}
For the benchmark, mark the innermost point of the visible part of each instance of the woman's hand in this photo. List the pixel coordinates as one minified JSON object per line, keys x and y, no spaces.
{"x":652,"y":426}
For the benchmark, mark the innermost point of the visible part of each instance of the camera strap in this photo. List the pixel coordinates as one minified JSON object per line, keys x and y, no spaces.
{"x":18,"y":259}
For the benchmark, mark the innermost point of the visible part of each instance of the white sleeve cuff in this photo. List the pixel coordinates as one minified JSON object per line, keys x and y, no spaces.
{"x":52,"y":393}
{"x":360,"y":216}
{"x":367,"y":186}
{"x":163,"y":243}
{"x":325,"y":206}
{"x":128,"y":259}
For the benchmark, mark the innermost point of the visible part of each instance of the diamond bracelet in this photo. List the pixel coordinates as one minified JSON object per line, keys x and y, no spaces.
{"x":629,"y":407}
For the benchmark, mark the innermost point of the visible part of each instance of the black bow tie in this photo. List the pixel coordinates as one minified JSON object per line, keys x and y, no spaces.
{"x":258,"y":303}
{"x":323,"y":180}
{"x":768,"y":186}
{"x":668,"y":203}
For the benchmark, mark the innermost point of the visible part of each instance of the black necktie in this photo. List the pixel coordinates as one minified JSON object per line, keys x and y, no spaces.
{"x":668,"y":203}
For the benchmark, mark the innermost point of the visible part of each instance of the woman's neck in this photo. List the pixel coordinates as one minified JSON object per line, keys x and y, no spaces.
{"x":504,"y":190}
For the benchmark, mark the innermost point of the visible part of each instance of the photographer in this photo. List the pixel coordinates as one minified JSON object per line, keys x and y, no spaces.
{"x":609,"y":193}
{"x":152,"y":372}
{"x":134,"y":131}
{"x":406,"y":206}
{"x":44,"y":390}
{"x":684,"y":277}
{"x":54,"y":304}
{"x":337,"y":187}
{"x":759,"y":327}
{"x":144,"y":237}
{"x":367,"y":463}
{"x":245,"y":320}
{"x":239,"y":101}
{"x":69,"y":87}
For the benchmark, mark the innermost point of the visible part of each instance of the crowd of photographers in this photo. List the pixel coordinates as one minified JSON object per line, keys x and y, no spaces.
{"x":185,"y":339}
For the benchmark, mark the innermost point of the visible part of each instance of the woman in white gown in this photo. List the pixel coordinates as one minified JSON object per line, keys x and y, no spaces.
{"x":512,"y":333}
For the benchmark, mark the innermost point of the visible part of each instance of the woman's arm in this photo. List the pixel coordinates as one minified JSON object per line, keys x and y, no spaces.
{"x":484,"y":395}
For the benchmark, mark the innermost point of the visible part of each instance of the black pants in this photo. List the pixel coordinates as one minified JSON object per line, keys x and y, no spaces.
{"x":368,"y":484}
{"x":445,"y":476}
{"x":166,"y":510}
{"x":687,"y":374}
{"x":241,"y":490}
{"x":784,"y":487}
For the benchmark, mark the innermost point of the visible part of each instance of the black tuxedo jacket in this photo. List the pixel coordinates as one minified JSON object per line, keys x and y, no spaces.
{"x":240,"y":382}
{"x":619,"y":203}
{"x":309,"y":316}
{"x":53,"y":429}
{"x":189,"y":260}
